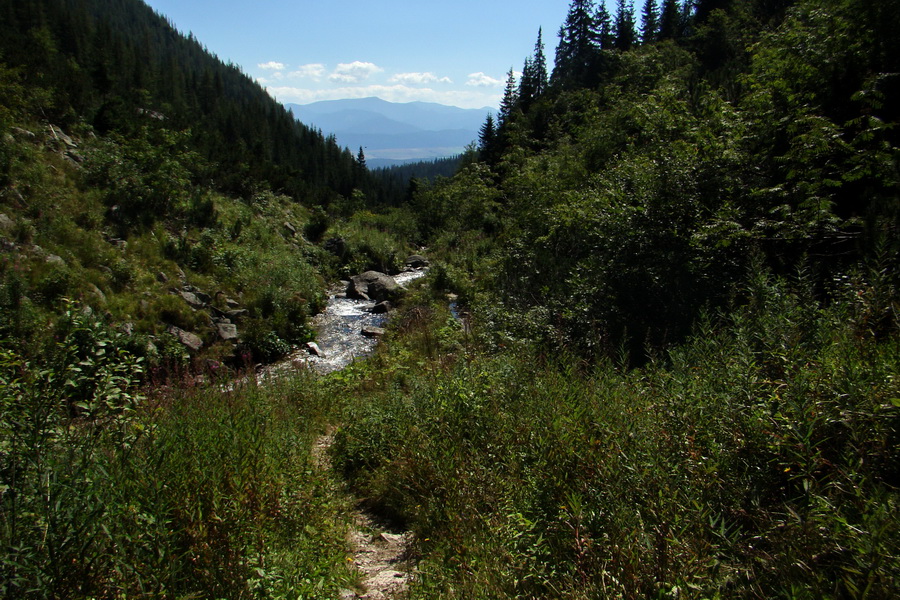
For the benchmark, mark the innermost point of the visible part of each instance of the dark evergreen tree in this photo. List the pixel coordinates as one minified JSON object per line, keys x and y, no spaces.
{"x":649,"y":21}
{"x":579,"y":42}
{"x":510,"y":98}
{"x":533,"y":82}
{"x":702,"y":8}
{"x":686,"y":22}
{"x":623,"y":27}
{"x":487,"y":137}
{"x":669,"y":20}
{"x":527,"y":85}
{"x":539,"y":65}
{"x":604,"y":37}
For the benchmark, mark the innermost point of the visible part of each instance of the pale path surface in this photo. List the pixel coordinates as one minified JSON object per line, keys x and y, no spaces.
{"x":380,"y":557}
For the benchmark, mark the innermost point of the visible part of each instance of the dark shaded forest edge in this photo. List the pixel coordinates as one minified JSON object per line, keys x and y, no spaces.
{"x":677,"y":371}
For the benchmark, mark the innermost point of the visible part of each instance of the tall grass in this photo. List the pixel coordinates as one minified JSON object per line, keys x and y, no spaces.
{"x":757,"y":460}
{"x":187,"y":493}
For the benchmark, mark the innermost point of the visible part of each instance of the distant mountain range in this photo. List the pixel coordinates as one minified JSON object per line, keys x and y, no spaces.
{"x":393,"y":133}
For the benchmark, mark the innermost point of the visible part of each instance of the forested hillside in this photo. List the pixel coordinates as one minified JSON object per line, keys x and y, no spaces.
{"x":678,"y":373}
{"x":635,"y":183}
{"x":134,"y":163}
{"x":657,"y":354}
{"x":116,"y":65}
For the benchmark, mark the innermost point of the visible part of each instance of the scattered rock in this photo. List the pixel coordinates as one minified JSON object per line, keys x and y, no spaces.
{"x":373,"y":285}
{"x":204,"y":298}
{"x":190,"y":340}
{"x":97,"y":293}
{"x":73,"y":157}
{"x":231,"y":303}
{"x":192,"y":299}
{"x":237,"y":315}
{"x":60,"y":136}
{"x":52,"y":259}
{"x":382,"y":308}
{"x":146,"y":112}
{"x":373,"y":332}
{"x":416,"y":261}
{"x":162,"y":277}
{"x":6,"y":224}
{"x":290,"y":229}
{"x":227,"y":331}
{"x":314,"y":349}
{"x":23,"y":133}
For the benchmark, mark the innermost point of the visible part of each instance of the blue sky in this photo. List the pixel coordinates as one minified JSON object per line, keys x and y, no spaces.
{"x":455,"y":52}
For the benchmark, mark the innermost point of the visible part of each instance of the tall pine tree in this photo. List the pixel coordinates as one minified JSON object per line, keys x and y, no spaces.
{"x":510,"y":98}
{"x":669,"y":20}
{"x":603,"y":28}
{"x":649,"y":21}
{"x":623,"y":27}
{"x":578,"y":47}
{"x":534,"y":76}
{"x":487,"y":138}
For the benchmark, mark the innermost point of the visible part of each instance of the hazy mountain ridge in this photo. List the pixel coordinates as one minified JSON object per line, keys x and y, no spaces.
{"x":390,"y":130}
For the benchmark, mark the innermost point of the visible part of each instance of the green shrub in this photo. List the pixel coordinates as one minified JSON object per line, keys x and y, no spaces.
{"x":759,"y":457}
{"x":194,"y":492}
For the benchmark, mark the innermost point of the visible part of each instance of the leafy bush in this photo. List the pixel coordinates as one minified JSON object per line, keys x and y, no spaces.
{"x":758,"y":458}
{"x":191,"y":492}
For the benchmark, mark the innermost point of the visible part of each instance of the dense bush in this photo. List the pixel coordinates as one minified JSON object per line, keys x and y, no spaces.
{"x":199,"y":491}
{"x":757,"y":460}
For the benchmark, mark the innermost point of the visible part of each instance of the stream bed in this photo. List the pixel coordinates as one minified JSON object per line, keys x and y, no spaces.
{"x":339,"y":334}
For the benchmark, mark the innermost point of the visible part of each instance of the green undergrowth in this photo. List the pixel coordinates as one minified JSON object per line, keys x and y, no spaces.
{"x":756,"y":460}
{"x":182,"y":492}
{"x":125,"y":225}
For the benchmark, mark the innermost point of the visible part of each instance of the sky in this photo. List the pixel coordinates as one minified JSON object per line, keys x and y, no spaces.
{"x":455,"y":52}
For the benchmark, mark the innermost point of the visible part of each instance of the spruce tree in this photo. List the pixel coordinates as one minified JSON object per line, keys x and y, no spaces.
{"x":669,"y":20}
{"x":533,"y":82}
{"x":526,"y":83}
{"x":623,"y":29}
{"x":603,"y":28}
{"x":510,"y":98}
{"x":486,"y":137}
{"x":649,"y":21}
{"x":702,"y":8}
{"x":576,"y":52}
{"x":539,"y":64}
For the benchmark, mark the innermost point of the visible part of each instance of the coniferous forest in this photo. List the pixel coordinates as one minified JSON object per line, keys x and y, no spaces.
{"x":657,"y":353}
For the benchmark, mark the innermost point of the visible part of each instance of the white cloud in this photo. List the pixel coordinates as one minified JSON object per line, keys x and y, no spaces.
{"x":272,"y":66}
{"x":354,"y":72}
{"x":418,"y":78}
{"x":391,"y":93}
{"x":481,"y":80}
{"x":314,"y":71}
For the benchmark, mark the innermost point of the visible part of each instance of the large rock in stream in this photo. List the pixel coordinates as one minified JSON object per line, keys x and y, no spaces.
{"x":373,"y":285}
